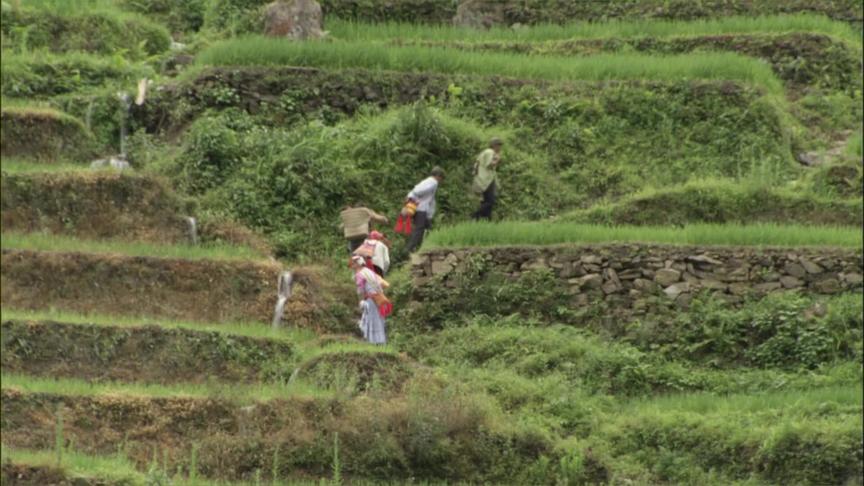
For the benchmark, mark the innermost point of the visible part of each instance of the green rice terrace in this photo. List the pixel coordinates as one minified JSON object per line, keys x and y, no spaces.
{"x":666,"y":289}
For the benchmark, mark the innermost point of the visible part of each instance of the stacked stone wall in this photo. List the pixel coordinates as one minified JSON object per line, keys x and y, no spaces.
{"x":629,"y":277}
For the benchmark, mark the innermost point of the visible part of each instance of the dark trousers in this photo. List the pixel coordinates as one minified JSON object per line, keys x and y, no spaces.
{"x":488,"y":202}
{"x":355,"y":243}
{"x":418,"y":229}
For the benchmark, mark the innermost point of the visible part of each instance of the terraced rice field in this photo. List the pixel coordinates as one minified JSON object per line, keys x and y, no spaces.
{"x":670,"y":290}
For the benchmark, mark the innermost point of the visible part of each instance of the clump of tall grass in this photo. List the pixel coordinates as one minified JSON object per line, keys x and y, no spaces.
{"x":615,"y":29}
{"x":856,"y":145}
{"x":247,"y":329}
{"x":258,"y":50}
{"x":78,"y":465}
{"x":704,"y":403}
{"x":46,"y":242}
{"x":18,"y":166}
{"x":537,"y":233}
{"x":236,"y":393}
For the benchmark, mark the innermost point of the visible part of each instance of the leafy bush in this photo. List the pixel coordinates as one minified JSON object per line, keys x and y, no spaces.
{"x":184,"y":16}
{"x":722,"y":201}
{"x":98,"y":31}
{"x":45,"y":75}
{"x":780,"y":331}
{"x":291,"y":184}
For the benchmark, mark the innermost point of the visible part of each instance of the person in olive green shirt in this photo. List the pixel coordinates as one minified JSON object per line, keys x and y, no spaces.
{"x":486,"y":178}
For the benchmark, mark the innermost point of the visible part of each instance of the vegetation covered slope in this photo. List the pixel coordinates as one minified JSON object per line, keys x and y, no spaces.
{"x":488,"y":377}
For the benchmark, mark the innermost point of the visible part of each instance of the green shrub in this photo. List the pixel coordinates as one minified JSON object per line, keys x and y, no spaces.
{"x":797,"y":450}
{"x":44,"y":75}
{"x":101,"y":31}
{"x":722,"y":201}
{"x":291,"y":184}
{"x":184,"y":16}
{"x":211,"y":153}
{"x":780,"y":331}
{"x":44,"y":134}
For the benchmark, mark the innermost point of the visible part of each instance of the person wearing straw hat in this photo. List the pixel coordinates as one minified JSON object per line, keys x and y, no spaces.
{"x":486,"y":179}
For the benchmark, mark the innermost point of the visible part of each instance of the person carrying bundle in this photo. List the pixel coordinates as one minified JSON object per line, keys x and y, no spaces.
{"x":422,"y":197}
{"x":355,"y":224}
{"x":376,"y":252}
{"x":374,"y":305}
{"x":486,"y":179}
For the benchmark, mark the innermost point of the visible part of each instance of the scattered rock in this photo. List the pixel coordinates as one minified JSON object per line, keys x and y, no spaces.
{"x":852,"y":278}
{"x":118,"y":163}
{"x":294,"y":19}
{"x":677,"y":289}
{"x":631,"y":274}
{"x":683,"y":300}
{"x":767,"y":287}
{"x":809,"y":159}
{"x":591,"y":259}
{"x":441,"y":267}
{"x":795,"y":269}
{"x":791,"y":282}
{"x":689,"y":277}
{"x":705,"y":259}
{"x":828,"y":286}
{"x":591,"y":281}
{"x":740,"y":274}
{"x":569,"y":271}
{"x":739,"y":288}
{"x":535,"y":265}
{"x":611,"y":275}
{"x":713,"y":284}
{"x":645,"y":285}
{"x":667,"y":276}
{"x":417,"y":260}
{"x":817,"y":310}
{"x":610,"y":288}
{"x":479,"y":14}
{"x":811,"y":267}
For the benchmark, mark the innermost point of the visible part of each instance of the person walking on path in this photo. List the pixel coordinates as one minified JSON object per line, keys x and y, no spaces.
{"x":376,"y":251}
{"x":486,"y":179}
{"x":423,"y":195}
{"x":374,"y":305}
{"x":355,"y":224}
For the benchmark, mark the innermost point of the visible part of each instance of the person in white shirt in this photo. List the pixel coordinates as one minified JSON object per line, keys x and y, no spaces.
{"x":424,"y":195}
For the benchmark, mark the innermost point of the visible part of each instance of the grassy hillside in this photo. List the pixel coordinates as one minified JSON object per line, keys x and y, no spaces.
{"x":646,"y":140}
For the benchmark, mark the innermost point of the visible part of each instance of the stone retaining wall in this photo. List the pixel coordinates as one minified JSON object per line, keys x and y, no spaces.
{"x":624,"y":276}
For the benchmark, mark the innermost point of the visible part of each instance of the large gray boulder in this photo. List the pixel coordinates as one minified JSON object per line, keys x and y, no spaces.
{"x":479,"y":14}
{"x":294,"y":19}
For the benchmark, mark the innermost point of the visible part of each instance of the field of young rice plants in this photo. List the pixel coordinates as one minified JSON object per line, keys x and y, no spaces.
{"x":615,"y":29}
{"x":534,"y":233}
{"x":262,"y":51}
